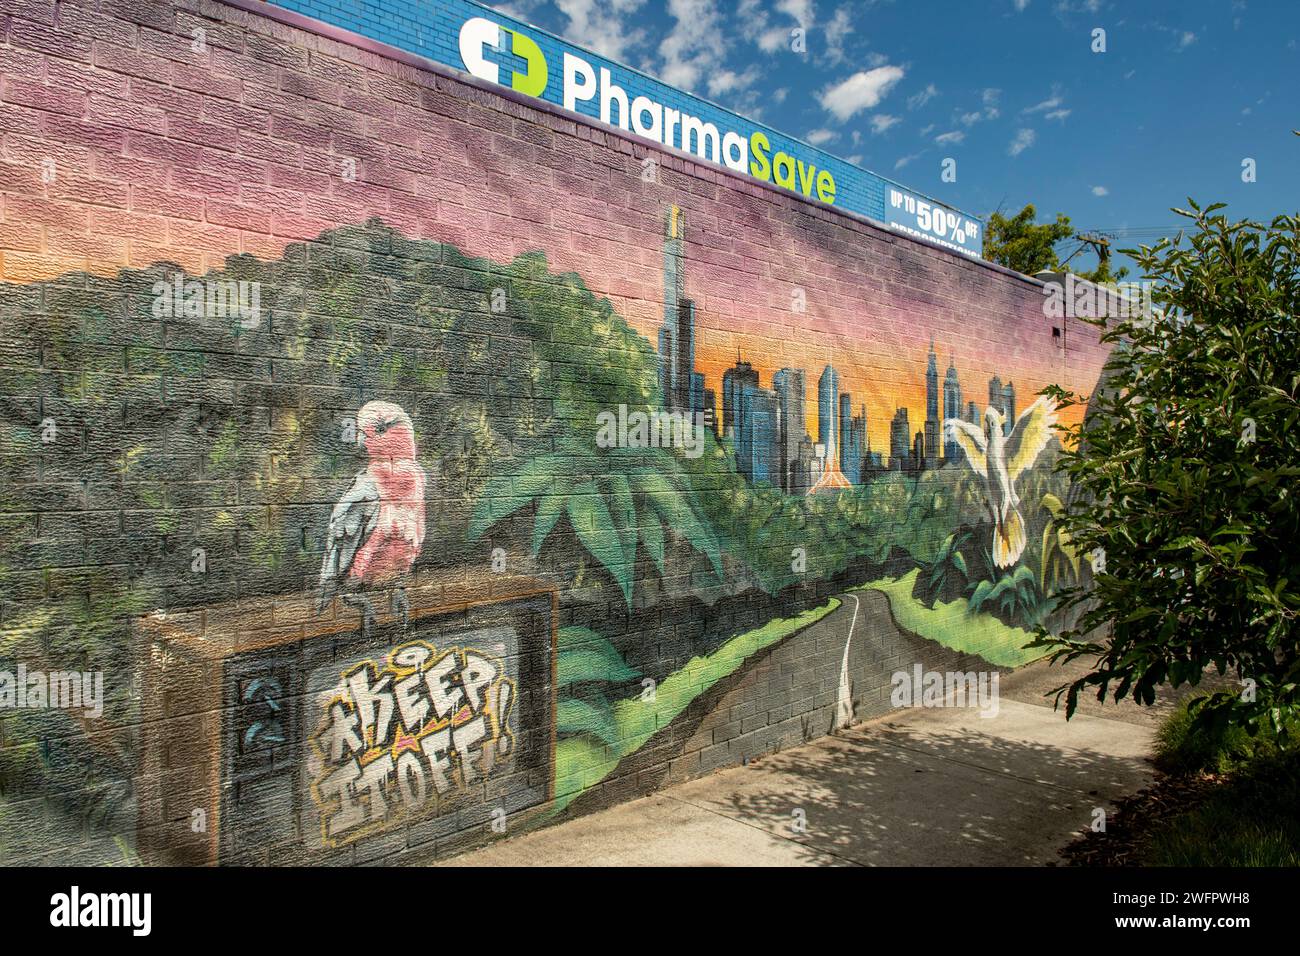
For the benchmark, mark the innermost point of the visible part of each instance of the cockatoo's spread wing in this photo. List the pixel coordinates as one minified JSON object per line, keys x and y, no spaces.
{"x":971,"y":440}
{"x":1030,"y":436}
{"x":353,"y":519}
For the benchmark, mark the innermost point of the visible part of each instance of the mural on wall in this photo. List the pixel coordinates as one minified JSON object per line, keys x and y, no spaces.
{"x":523,"y":421}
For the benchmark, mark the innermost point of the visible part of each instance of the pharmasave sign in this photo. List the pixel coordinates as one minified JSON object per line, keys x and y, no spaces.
{"x":499,"y":49}
{"x":583,"y":84}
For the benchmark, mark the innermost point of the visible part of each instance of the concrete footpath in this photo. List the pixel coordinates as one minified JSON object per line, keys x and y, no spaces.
{"x":920,"y":787}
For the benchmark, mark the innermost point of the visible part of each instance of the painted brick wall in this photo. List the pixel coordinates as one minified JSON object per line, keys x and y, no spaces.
{"x":500,"y":272}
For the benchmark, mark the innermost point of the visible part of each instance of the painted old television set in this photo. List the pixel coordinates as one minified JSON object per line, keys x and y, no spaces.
{"x":276,"y":735}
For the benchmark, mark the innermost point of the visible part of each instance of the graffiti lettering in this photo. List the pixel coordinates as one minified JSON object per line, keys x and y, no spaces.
{"x":395,"y":736}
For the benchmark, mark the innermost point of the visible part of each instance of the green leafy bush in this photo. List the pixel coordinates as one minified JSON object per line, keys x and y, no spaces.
{"x":1185,"y":474}
{"x":1183,"y":747}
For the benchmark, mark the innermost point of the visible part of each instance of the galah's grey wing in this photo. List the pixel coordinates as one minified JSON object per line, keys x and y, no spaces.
{"x":351,"y":522}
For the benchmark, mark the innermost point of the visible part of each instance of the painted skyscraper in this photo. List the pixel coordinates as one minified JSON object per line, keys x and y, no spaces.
{"x":899,"y":441}
{"x":757,"y":447}
{"x":853,"y":430}
{"x":791,"y":431}
{"x":1003,"y":397}
{"x":682,"y":386}
{"x":734,"y":382}
{"x":952,"y":408}
{"x":828,"y":426}
{"x":932,"y":424}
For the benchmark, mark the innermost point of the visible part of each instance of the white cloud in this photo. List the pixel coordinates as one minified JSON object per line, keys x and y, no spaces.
{"x":800,"y":11}
{"x":1051,"y":103}
{"x":819,"y":137}
{"x":943,"y":139}
{"x":694,"y":45}
{"x":883,"y":121}
{"x":1186,"y":40}
{"x":1100,"y":191}
{"x":917,"y":100}
{"x":861,"y":91}
{"x":1058,"y":115}
{"x":904,"y":160}
{"x":1020,"y":5}
{"x":757,"y":26}
{"x":1065,"y":8}
{"x":774,"y":39}
{"x":837,"y":31}
{"x":519,"y":9}
{"x":722,"y":82}
{"x":989,"y":97}
{"x":1024,"y":139}
{"x":601,"y":25}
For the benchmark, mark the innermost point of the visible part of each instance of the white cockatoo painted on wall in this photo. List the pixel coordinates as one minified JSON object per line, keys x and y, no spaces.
{"x":1000,"y":459}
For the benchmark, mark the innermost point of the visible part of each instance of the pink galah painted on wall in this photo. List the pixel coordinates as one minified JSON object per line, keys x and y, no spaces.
{"x":376,"y":531}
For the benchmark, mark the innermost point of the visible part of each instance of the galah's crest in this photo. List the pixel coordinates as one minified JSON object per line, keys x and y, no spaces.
{"x":1000,"y":459}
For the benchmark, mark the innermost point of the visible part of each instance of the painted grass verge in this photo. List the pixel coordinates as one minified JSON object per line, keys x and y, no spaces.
{"x":582,"y":762}
{"x":953,"y":626}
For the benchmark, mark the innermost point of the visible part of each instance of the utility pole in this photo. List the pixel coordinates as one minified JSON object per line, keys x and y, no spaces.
{"x":1100,"y":244}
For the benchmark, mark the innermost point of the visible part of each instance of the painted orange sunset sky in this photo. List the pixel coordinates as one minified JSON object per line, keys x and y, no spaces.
{"x":872,"y":326}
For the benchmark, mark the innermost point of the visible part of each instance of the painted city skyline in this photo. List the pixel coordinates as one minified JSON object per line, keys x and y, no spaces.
{"x":769,"y":426}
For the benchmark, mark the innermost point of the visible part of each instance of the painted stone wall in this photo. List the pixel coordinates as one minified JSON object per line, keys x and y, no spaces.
{"x":387,"y":465}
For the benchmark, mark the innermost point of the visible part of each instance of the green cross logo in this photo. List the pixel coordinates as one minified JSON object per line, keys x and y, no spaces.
{"x":479,"y":35}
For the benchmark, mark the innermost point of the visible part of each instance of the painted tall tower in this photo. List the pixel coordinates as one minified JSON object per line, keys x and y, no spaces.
{"x":734,"y":382}
{"x":952,"y":408}
{"x":788,"y":385}
{"x":828,"y":428}
{"x":899,"y":441}
{"x":682,"y":386}
{"x":1003,"y":397}
{"x":828,"y":410}
{"x":932,"y":423}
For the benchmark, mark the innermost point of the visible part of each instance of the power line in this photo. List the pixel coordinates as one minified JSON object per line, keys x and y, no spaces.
{"x":1125,"y":232}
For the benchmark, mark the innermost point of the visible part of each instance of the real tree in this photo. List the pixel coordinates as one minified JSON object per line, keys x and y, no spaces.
{"x":1020,"y":242}
{"x":1184,"y":473}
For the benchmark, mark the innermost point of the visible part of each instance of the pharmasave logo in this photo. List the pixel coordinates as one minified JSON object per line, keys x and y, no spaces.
{"x":751,"y":153}
{"x":478,"y":34}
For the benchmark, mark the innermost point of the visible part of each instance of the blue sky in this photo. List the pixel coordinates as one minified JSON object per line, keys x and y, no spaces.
{"x":1011,"y":89}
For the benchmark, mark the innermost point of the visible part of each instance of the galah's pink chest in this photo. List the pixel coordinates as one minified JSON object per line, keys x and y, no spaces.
{"x":398,"y":536}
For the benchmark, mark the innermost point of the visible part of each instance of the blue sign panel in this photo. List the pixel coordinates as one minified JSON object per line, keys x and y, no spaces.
{"x":500,"y":49}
